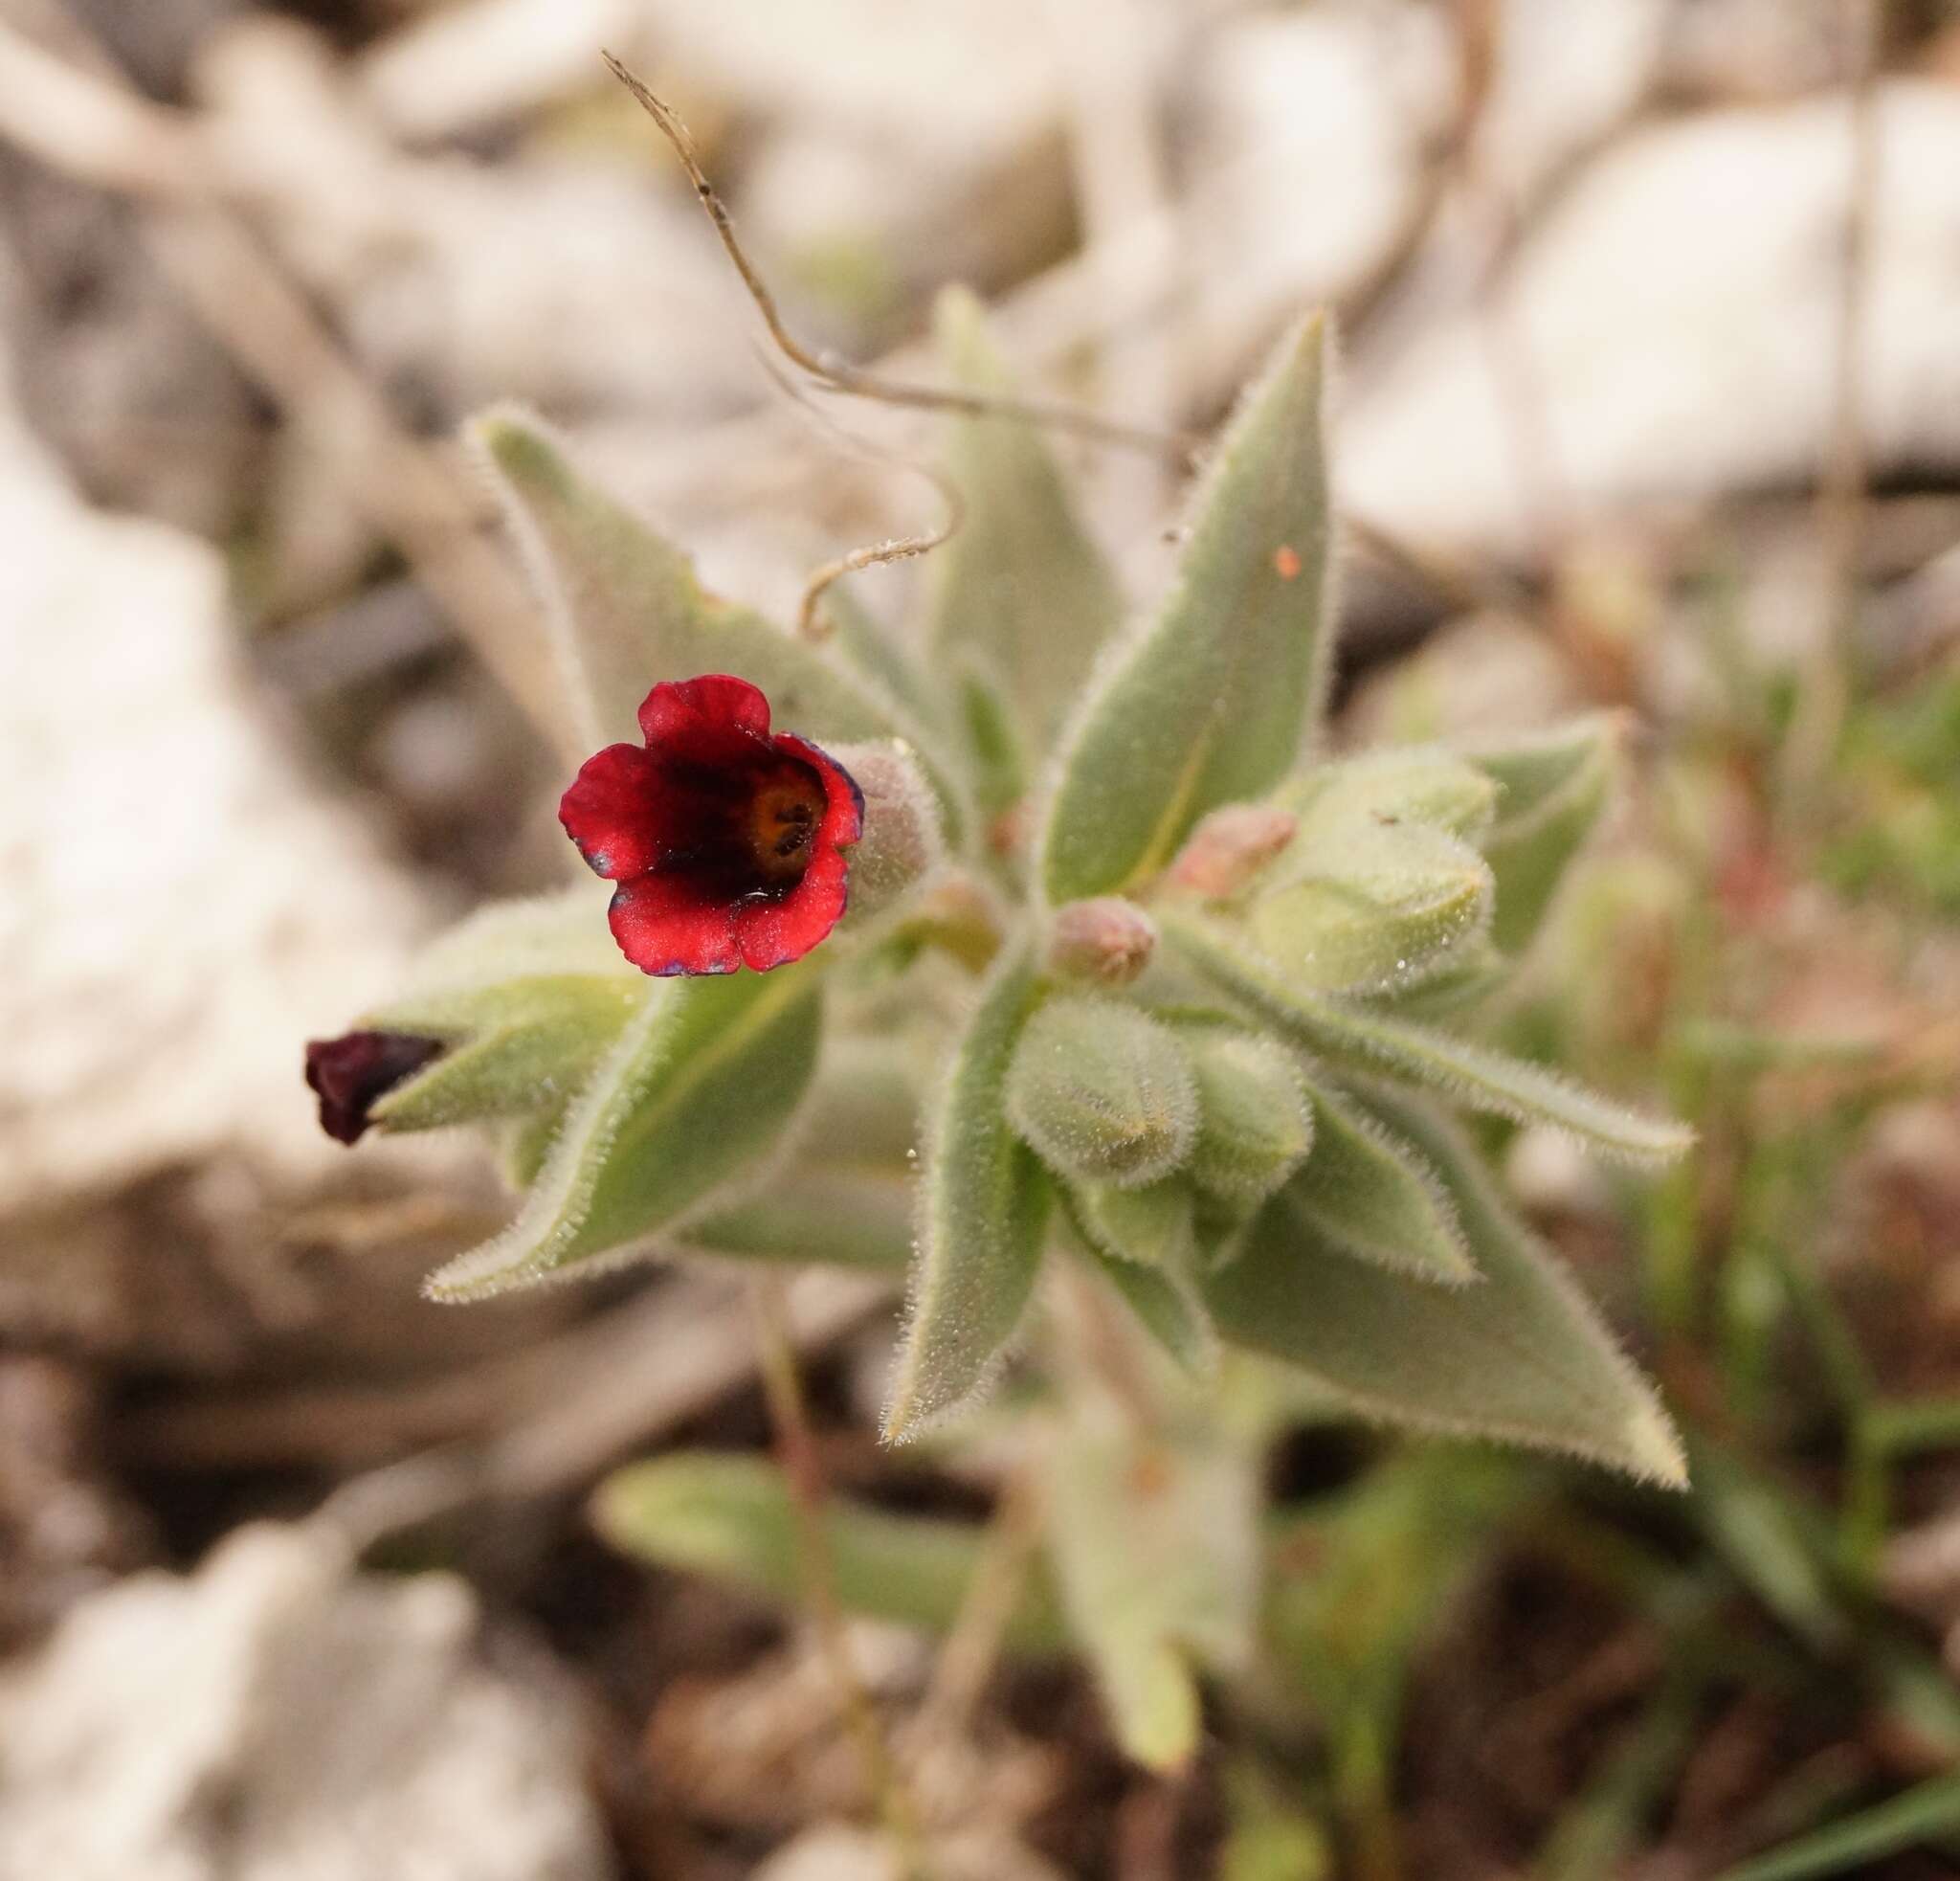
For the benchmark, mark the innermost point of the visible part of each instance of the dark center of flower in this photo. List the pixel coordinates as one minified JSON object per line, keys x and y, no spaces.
{"x":783,"y":818}
{"x":743,"y":829}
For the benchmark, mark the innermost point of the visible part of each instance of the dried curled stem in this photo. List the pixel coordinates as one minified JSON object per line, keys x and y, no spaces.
{"x":841,"y":375}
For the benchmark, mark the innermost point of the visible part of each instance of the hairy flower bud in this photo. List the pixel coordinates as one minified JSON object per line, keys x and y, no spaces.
{"x":902,"y":845}
{"x":1102,"y":1092}
{"x":1227,"y":850}
{"x":1107,"y":940}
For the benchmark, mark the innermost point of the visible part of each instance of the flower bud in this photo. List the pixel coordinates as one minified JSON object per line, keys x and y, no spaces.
{"x":1107,"y":940}
{"x":1102,"y":1092}
{"x":1255,"y":1118}
{"x":901,"y":844}
{"x":1229,"y":847}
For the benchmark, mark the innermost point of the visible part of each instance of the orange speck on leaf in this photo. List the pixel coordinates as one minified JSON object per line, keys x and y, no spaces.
{"x":1286,"y":561}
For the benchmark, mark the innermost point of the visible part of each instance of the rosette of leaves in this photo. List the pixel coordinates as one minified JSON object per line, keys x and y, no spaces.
{"x":1237,"y":1117}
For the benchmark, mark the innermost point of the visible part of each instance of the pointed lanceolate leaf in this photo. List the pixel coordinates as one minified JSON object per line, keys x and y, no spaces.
{"x":1146,"y":1244}
{"x":1373,"y":1195}
{"x":1555,"y":789}
{"x":982,"y":1216}
{"x":1022,"y":598}
{"x":1366,"y":1041}
{"x":733,"y":1517}
{"x":627,"y":609}
{"x":1521,"y":1357}
{"x":1102,"y":1092}
{"x":1170,"y":1307}
{"x":697,"y":1091}
{"x":1151,"y":1226}
{"x":812,"y":1212}
{"x":1212,"y":702}
{"x":1156,"y":1547}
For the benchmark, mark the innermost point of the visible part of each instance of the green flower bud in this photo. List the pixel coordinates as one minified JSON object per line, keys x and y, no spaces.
{"x":1371,"y":906}
{"x":1255,"y":1118}
{"x":1102,"y":1092}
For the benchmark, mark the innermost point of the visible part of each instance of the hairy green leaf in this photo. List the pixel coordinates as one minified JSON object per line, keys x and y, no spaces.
{"x":1211,"y":702}
{"x":1022,"y":599}
{"x":1373,"y":1195}
{"x":699,"y":1087}
{"x":1169,"y":1307}
{"x":1361,"y":1040}
{"x":985,"y":1206}
{"x":1522,"y":1357}
{"x":812,"y":1212}
{"x":626,"y":609}
{"x":1555,"y":789}
{"x":1156,"y":1549}
{"x":732,"y":1517}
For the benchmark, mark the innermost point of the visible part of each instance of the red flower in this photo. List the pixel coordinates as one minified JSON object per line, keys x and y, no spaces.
{"x":726,"y":842}
{"x":353,"y":1074}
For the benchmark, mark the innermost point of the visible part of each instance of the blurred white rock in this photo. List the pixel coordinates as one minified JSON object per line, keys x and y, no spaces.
{"x":1307,"y":148}
{"x":279,"y":1717}
{"x":1672,"y":324}
{"x":180,"y":904}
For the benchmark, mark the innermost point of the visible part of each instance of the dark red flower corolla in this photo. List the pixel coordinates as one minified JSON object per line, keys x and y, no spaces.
{"x":727,"y":840}
{"x":353,"y":1073}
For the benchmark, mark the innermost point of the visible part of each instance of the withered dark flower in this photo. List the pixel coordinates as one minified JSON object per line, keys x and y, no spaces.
{"x":354,"y":1072}
{"x":727,"y":840}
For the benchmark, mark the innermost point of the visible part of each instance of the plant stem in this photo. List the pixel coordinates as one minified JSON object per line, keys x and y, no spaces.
{"x":972,"y":1649}
{"x":802,"y":1467}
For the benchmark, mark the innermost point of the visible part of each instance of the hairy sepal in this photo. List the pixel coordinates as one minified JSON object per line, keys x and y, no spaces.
{"x":527,"y":997}
{"x":1372,"y":1194}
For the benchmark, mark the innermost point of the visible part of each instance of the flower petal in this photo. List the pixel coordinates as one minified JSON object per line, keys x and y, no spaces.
{"x":666,"y":923}
{"x":771,"y":933}
{"x":609,"y":811}
{"x":843,"y":822}
{"x":701,"y":717}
